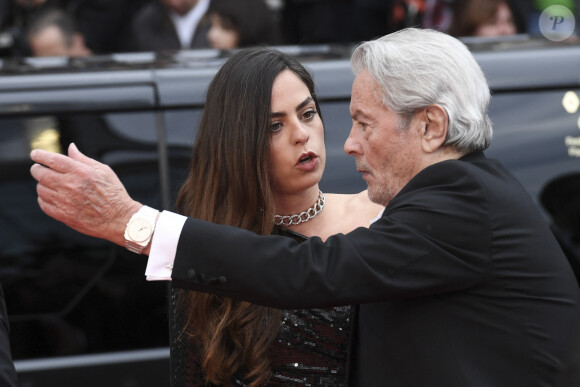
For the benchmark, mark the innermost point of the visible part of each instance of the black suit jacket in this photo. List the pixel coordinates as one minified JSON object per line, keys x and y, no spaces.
{"x":152,"y":30}
{"x":460,"y":283}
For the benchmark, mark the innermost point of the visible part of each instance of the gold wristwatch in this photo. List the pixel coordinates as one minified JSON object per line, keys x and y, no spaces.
{"x":140,"y":229}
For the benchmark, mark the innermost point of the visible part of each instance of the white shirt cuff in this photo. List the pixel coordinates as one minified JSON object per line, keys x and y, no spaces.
{"x":164,"y":246}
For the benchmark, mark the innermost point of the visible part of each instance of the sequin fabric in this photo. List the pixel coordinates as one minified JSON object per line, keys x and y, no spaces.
{"x":310,"y":348}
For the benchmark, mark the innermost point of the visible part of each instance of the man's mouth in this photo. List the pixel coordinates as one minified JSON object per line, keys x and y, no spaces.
{"x":360,"y":167}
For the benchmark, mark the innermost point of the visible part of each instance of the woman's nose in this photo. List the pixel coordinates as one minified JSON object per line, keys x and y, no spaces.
{"x":301,"y":134}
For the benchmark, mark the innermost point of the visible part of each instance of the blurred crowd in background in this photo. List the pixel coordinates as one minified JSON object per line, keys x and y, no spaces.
{"x":85,"y":27}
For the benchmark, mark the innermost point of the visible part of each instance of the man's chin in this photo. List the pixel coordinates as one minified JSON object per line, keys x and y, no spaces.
{"x":374,"y":196}
{"x":378,"y":196}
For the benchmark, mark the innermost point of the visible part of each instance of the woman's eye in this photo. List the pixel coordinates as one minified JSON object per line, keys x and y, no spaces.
{"x":309,"y":114}
{"x":276,"y":126}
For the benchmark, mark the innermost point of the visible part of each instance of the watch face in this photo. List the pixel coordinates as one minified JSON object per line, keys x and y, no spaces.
{"x":139,"y":230}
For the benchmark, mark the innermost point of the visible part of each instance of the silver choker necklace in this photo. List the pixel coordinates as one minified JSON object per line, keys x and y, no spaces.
{"x":304,"y":216}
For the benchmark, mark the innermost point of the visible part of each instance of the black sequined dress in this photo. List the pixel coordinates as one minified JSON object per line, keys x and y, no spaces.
{"x":310,"y":349}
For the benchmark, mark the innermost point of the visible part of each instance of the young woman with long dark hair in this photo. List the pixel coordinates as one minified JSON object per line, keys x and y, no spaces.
{"x":257,"y":161}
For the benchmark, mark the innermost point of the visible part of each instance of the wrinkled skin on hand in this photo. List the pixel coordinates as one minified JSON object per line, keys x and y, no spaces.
{"x":83,"y":193}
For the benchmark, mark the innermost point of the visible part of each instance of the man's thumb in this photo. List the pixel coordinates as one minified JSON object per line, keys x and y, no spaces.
{"x":75,"y":154}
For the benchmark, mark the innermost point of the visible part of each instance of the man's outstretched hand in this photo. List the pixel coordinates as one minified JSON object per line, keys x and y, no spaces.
{"x":82,"y":193}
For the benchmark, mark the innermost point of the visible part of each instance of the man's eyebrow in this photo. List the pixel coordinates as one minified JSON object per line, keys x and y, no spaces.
{"x":361,"y":113}
{"x":300,"y":106}
{"x":358,"y":115}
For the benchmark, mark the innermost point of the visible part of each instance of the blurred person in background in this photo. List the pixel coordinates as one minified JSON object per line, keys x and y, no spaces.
{"x":374,"y":18}
{"x":241,"y":23}
{"x":438,"y":14}
{"x":16,"y":16}
{"x":486,"y":18}
{"x":104,"y":24}
{"x":318,"y":21}
{"x":169,"y":25}
{"x":53,"y":33}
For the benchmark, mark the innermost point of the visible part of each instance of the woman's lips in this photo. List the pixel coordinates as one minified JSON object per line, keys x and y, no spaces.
{"x":307,"y":162}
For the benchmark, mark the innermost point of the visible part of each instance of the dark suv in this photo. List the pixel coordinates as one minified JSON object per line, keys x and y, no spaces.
{"x":80,"y":309}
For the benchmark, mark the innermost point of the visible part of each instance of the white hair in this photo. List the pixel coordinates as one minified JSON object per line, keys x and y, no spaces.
{"x":416,"y":68}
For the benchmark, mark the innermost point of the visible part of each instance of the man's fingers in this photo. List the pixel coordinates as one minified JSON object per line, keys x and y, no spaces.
{"x":39,"y":172}
{"x":46,"y":194}
{"x":75,"y":154}
{"x":82,"y":193}
{"x":54,"y":161}
{"x":36,"y":171}
{"x":44,"y":176}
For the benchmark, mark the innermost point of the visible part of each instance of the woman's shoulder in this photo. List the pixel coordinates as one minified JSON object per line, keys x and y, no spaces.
{"x":357,"y":209}
{"x":351,"y":202}
{"x":342,"y":214}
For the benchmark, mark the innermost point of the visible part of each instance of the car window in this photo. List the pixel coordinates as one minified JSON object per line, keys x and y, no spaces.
{"x":535,"y":136}
{"x":67,"y":293}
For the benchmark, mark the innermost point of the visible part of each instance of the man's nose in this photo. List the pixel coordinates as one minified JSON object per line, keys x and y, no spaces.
{"x":351,"y":145}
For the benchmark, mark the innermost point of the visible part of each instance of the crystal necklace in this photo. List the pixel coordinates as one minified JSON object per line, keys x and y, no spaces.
{"x":304,"y":216}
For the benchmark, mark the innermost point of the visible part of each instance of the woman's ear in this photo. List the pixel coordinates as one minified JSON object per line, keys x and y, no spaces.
{"x":434,"y":131}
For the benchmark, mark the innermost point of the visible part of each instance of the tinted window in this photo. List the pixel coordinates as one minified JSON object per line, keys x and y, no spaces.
{"x":535,"y":136}
{"x":67,"y":293}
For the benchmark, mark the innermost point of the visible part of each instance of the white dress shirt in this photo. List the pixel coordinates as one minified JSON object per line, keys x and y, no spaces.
{"x":164,"y":245}
{"x":187,"y":24}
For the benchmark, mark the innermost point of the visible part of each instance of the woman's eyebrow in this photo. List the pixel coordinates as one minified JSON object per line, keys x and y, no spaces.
{"x":304,"y":103}
{"x":300,"y":106}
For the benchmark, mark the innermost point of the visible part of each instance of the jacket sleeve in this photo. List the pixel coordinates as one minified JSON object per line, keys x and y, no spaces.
{"x":423,"y":244}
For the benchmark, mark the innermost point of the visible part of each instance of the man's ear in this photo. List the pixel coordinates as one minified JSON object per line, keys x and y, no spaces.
{"x":434,"y":131}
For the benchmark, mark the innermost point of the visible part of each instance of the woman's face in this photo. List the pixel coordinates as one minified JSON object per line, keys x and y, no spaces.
{"x":501,"y":23}
{"x":222,"y":35}
{"x":297,"y":152}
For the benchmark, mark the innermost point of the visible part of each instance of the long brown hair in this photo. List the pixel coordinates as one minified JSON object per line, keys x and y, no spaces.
{"x":229,"y":183}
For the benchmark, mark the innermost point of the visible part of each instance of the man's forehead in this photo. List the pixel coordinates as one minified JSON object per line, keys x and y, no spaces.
{"x":365,"y":87}
{"x":359,"y":111}
{"x":363,"y":101}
